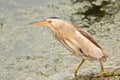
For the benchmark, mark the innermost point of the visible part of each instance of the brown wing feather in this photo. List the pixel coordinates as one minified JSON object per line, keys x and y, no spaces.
{"x":88,"y":36}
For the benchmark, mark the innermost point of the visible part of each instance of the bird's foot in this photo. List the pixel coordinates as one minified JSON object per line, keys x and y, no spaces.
{"x":104,"y":73}
{"x":75,"y":73}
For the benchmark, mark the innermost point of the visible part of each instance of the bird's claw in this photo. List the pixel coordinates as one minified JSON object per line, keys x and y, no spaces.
{"x":104,"y":73}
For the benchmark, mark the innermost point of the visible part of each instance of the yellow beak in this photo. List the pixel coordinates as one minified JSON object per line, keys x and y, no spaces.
{"x":43,"y":23}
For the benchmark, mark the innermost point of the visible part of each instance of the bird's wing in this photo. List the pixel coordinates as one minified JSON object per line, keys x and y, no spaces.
{"x":89,"y":37}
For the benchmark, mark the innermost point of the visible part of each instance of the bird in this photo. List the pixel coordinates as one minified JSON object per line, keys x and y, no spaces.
{"x":77,"y":40}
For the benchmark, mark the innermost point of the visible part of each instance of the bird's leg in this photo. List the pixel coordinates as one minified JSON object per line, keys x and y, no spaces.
{"x":103,"y":71}
{"x":76,"y":70}
{"x":102,"y":67}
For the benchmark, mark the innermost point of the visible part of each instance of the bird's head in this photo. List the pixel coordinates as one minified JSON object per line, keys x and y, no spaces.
{"x":50,"y":22}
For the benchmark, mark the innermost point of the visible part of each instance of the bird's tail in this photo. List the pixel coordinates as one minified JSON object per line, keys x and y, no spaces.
{"x":104,"y":55}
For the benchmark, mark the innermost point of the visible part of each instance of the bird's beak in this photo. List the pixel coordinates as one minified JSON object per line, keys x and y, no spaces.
{"x":42,"y":23}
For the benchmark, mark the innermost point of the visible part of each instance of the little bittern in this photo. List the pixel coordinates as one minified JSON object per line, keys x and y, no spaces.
{"x":76,"y":40}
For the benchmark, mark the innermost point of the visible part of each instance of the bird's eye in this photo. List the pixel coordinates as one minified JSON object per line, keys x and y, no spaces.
{"x":49,"y":21}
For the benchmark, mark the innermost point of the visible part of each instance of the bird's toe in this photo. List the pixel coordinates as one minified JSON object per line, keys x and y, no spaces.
{"x":104,"y":73}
